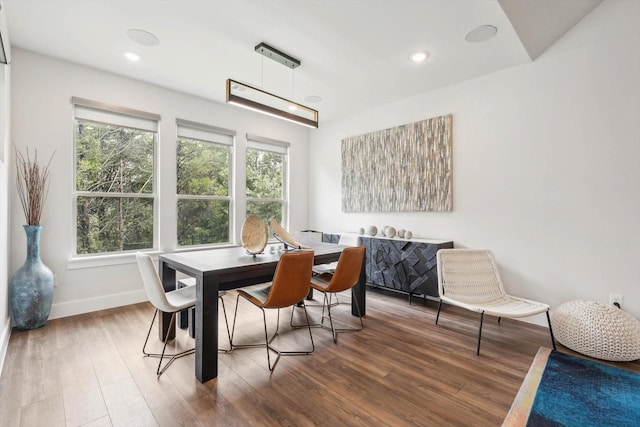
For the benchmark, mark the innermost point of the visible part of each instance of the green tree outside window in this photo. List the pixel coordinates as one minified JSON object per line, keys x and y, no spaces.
{"x":265,"y":183}
{"x":203,"y":170}
{"x":114,"y":188}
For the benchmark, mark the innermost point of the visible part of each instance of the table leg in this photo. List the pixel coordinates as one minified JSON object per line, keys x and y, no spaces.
{"x":168,"y":277}
{"x":359,"y":292}
{"x":206,"y":325}
{"x":184,"y":315}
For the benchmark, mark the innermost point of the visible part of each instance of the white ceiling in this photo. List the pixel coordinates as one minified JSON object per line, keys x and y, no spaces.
{"x":354,"y":53}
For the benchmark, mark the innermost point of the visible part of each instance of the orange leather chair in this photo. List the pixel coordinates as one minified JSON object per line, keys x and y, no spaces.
{"x":290,"y":285}
{"x":345,"y":277}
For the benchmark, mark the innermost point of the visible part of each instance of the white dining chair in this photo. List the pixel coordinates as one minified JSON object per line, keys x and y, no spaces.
{"x":168,"y":302}
{"x":183,"y":298}
{"x":346,"y":239}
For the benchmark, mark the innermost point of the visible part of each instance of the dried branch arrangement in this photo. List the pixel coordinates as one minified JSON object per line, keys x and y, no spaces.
{"x":32,"y":183}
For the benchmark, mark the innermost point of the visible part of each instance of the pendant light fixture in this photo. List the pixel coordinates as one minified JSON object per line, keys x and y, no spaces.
{"x":252,"y":98}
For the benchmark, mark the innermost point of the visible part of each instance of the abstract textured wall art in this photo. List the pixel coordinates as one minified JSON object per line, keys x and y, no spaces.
{"x":407,"y":168}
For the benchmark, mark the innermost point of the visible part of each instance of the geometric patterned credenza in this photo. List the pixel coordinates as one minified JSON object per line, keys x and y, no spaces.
{"x":403,"y":265}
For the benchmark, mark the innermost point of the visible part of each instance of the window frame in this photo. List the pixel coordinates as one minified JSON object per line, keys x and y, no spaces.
{"x":214,"y":135}
{"x":257,"y":142}
{"x":113,"y":115}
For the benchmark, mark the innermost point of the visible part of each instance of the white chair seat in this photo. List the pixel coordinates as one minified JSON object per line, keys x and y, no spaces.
{"x":325,"y":268}
{"x":191,"y":281}
{"x":346,"y":239}
{"x":182,"y":298}
{"x":504,"y":306}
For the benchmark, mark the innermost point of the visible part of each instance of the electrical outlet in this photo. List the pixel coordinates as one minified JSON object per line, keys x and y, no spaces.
{"x":615,"y":300}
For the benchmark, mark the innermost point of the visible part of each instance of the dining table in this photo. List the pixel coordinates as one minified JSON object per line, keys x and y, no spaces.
{"x":229,"y":268}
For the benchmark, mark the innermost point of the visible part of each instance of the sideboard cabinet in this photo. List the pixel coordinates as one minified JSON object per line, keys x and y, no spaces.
{"x":403,"y":265}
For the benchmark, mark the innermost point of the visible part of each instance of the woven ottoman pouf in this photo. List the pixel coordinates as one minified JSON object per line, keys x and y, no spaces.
{"x":597,"y":330}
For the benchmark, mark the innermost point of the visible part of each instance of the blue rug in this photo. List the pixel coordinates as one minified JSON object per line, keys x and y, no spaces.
{"x":564,"y":390}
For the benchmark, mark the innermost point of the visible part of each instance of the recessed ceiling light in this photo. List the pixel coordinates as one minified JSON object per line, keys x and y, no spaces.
{"x":143,"y":37}
{"x":418,"y":56}
{"x":312,"y":99}
{"x":481,"y":33}
{"x":132,"y":56}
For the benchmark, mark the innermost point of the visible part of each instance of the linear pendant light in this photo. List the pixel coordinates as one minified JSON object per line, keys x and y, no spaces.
{"x":243,"y":95}
{"x":252,"y":98}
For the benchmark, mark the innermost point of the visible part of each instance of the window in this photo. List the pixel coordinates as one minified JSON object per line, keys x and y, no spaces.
{"x":203,"y":156}
{"x":115,"y":189}
{"x":266,"y":178}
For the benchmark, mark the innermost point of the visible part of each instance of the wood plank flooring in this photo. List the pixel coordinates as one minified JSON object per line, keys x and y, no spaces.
{"x":401,"y":370}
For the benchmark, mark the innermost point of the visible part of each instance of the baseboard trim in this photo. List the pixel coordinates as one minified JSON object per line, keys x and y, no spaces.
{"x":5,"y":335}
{"x":88,"y":305}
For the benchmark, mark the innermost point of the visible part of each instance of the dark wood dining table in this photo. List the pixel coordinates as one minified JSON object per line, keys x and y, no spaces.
{"x":227,"y":269}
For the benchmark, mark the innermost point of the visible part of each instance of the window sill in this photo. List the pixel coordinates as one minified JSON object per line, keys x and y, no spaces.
{"x":104,"y":260}
{"x":93,"y":261}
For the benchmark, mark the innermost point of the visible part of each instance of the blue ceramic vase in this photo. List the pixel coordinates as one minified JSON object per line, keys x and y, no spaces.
{"x":31,"y":287}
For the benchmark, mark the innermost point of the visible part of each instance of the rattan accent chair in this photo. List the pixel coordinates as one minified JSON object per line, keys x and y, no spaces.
{"x":290,"y":285}
{"x":469,"y":278}
{"x":345,"y":277}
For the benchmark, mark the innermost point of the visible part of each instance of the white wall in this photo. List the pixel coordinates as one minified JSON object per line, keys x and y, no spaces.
{"x":42,"y":88}
{"x":545,"y":159}
{"x":5,"y":162}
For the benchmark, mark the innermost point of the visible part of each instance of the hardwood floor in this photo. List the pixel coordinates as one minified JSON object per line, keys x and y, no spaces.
{"x":401,"y":370}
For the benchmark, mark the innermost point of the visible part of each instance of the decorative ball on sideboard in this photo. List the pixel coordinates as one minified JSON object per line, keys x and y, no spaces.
{"x":401,"y":233}
{"x":390,"y":232}
{"x":372,"y":230}
{"x":408,"y":234}
{"x":361,"y":231}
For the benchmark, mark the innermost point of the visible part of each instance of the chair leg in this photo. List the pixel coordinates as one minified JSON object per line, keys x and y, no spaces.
{"x":282,"y":352}
{"x":277,"y":327}
{"x":226,"y":322}
{"x":144,"y":351}
{"x":313,"y":325}
{"x":233,"y":329}
{"x":323,"y":305}
{"x":334,"y":330}
{"x":160,"y":370}
{"x":334,"y":335}
{"x":268,"y":340}
{"x":306,"y":315}
{"x":438,"y":315}
{"x":553,"y":341}
{"x":326,"y":302}
{"x":480,"y":333}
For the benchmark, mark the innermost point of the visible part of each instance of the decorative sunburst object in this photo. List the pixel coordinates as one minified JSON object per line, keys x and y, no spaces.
{"x":283,"y":235}
{"x":254,"y":234}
